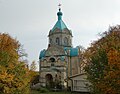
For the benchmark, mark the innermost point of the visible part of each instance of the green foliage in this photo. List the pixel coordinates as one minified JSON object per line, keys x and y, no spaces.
{"x":97,"y":66}
{"x":103,"y":60}
{"x":42,"y":90}
{"x":34,"y":77}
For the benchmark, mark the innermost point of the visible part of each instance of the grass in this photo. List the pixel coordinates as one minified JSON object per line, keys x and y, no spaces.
{"x":65,"y":92}
{"x":37,"y":92}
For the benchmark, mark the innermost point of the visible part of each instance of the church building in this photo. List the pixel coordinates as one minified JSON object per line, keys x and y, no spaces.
{"x":60,"y":60}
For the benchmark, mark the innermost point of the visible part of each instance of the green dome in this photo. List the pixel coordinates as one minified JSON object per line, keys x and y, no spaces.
{"x":42,"y":54}
{"x":59,"y":13}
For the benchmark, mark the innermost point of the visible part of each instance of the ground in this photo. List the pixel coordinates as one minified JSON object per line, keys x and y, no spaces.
{"x":37,"y":92}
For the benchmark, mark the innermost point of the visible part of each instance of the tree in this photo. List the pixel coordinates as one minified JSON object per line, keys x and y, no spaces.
{"x":34,"y":74}
{"x":103,"y":58}
{"x":33,"y":66}
{"x":14,"y":76}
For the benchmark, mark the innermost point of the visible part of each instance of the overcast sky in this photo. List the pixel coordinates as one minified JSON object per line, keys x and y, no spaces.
{"x":31,"y":20}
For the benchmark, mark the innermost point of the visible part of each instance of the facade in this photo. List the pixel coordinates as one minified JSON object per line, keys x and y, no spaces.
{"x":79,"y":83}
{"x":60,"y":60}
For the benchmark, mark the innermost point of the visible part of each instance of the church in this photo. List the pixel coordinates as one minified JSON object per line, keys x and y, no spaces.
{"x":60,"y":62}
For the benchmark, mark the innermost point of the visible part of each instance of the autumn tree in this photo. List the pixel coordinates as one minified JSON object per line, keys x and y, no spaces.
{"x":33,"y":66}
{"x":14,"y":75}
{"x":33,"y":73}
{"x":103,"y":63}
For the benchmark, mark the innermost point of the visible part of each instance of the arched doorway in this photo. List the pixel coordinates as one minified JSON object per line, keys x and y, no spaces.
{"x":49,"y":81}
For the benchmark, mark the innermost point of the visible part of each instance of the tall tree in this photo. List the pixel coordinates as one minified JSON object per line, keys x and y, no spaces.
{"x":14,"y":76}
{"x":103,"y":58}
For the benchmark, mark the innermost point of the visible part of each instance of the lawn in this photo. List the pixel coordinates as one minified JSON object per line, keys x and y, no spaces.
{"x":37,"y":92}
{"x":60,"y":92}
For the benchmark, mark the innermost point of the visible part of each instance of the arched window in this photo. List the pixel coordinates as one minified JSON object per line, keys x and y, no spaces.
{"x":58,"y":41}
{"x":45,"y":61}
{"x":52,"y":59}
{"x":50,"y":41}
{"x":66,"y":41}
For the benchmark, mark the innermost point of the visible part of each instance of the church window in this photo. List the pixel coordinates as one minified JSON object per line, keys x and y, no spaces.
{"x":52,"y":64}
{"x":58,"y":41}
{"x":66,"y":41}
{"x":45,"y":61}
{"x":50,"y":41}
{"x":58,"y":61}
{"x":52,"y":59}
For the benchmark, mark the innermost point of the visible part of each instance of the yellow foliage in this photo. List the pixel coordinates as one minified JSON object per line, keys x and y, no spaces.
{"x":14,"y":76}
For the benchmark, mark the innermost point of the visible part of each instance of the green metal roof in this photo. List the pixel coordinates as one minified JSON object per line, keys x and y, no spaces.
{"x":59,"y":24}
{"x":72,"y":51}
{"x":42,"y":54}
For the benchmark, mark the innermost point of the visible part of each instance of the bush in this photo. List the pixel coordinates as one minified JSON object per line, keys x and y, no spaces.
{"x":43,"y":90}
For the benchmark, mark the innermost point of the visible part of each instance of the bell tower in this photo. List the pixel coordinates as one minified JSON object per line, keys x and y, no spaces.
{"x":60,"y":60}
{"x":60,"y":35}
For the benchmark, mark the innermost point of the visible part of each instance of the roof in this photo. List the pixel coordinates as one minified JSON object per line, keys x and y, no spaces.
{"x":66,"y":51}
{"x":59,"y":24}
{"x":42,"y":54}
{"x":80,"y":74}
{"x":72,"y":51}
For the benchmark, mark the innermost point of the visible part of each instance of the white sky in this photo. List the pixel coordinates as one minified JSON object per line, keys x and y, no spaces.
{"x":31,"y":20}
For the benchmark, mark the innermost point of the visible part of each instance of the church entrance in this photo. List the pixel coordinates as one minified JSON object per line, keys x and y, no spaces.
{"x":49,"y":81}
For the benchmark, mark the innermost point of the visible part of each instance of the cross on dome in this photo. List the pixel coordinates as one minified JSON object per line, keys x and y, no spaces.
{"x":59,"y":5}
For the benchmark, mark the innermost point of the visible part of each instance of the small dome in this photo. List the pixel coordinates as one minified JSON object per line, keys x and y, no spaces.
{"x":59,"y":13}
{"x":42,"y":54}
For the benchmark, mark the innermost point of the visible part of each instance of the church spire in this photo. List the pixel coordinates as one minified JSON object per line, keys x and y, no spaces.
{"x":59,"y":24}
{"x":60,"y":35}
